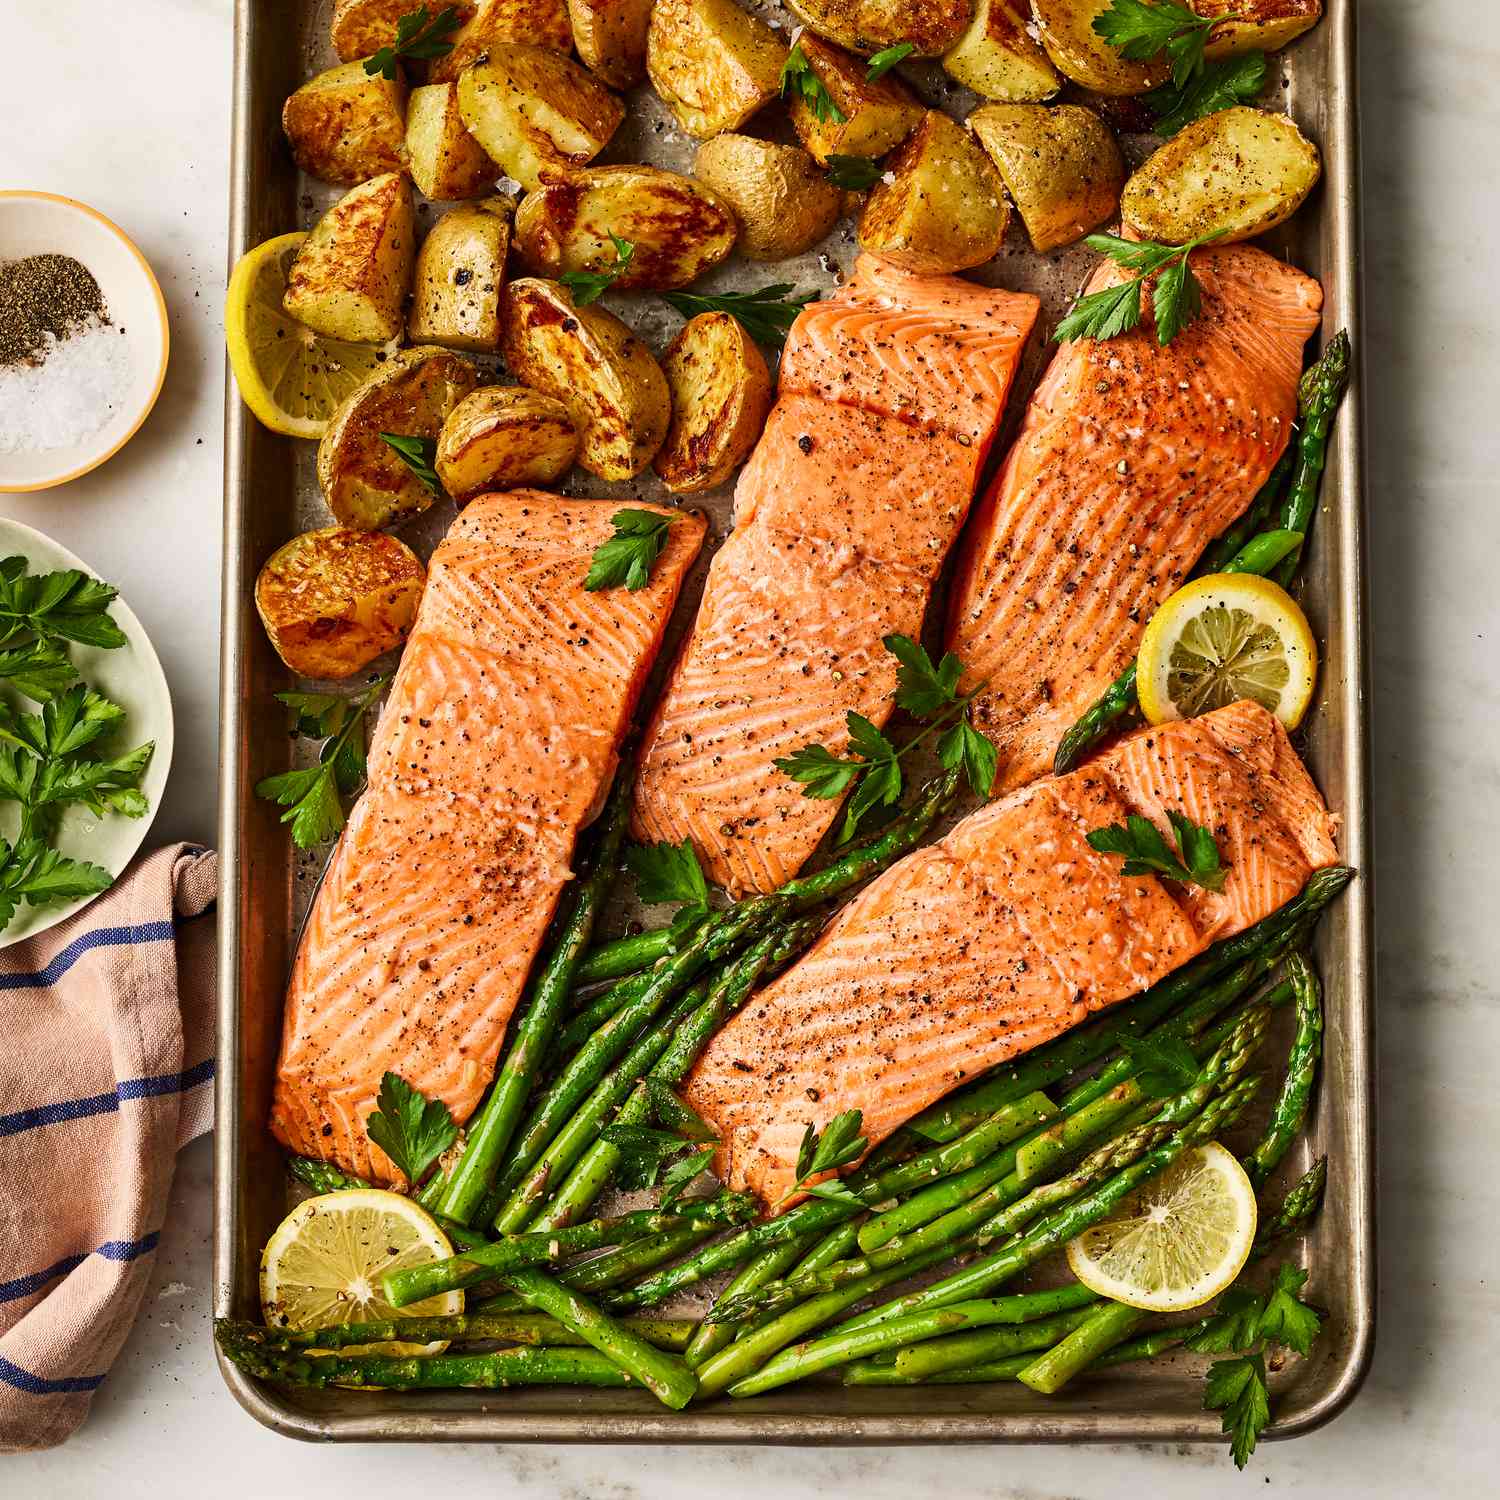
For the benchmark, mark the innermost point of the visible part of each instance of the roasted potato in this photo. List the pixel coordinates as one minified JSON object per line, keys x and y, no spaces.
{"x":496,"y":26}
{"x":1080,"y":53}
{"x":785,"y":205}
{"x":352,"y":274}
{"x":361,"y":27}
{"x":1235,"y":173}
{"x":333,"y":600}
{"x":364,"y":480}
{"x":679,"y":227}
{"x":531,"y":109}
{"x":868,"y":26}
{"x":591,"y":362}
{"x":503,"y":436}
{"x":713,"y":64}
{"x":1257,"y":25}
{"x":610,"y":36}
{"x":345,"y":126}
{"x":877,"y":116}
{"x":998,"y":57}
{"x":721,"y":392}
{"x":940,"y":206}
{"x":445,"y":161}
{"x":1060,"y":165}
{"x":460,"y":276}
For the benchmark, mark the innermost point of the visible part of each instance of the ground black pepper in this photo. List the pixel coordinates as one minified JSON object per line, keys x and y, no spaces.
{"x":44,"y":294}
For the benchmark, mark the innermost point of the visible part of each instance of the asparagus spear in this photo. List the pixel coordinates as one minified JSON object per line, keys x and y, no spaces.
{"x":870,"y":1372}
{"x":1227,"y":546}
{"x":1101,"y":1330}
{"x":324,"y":1177}
{"x":1297,"y":1210}
{"x":957,"y":1351}
{"x":1290,"y":1110}
{"x":473,"y":1327}
{"x":710,"y":1335}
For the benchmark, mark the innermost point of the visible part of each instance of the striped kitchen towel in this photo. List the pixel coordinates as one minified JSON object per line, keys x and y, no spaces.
{"x":106,"y":1070}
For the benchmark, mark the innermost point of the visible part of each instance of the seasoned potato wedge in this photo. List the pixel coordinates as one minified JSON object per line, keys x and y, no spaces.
{"x":998,"y":58}
{"x":1061,"y":166}
{"x":785,"y":205}
{"x":333,"y":600}
{"x":867,"y":26}
{"x":460,"y":276}
{"x":364,"y":480}
{"x":1257,"y":25}
{"x":1236,"y":173}
{"x":943,"y":208}
{"x":531,"y":109}
{"x":496,"y":26}
{"x":877,"y":116}
{"x":591,"y":362}
{"x":352,"y":274}
{"x":1080,"y":53}
{"x":361,"y":27}
{"x":445,"y":161}
{"x":679,"y":227}
{"x":344,"y":126}
{"x":712,"y":63}
{"x":503,"y":436}
{"x":610,"y":36}
{"x":721,"y":392}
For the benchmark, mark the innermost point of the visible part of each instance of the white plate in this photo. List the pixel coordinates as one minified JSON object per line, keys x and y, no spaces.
{"x":133,"y":678}
{"x":44,"y":224}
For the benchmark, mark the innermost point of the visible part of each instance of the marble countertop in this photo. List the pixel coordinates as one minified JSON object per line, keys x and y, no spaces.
{"x":127,"y":107}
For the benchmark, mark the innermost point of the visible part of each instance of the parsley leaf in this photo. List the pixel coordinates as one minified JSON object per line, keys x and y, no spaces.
{"x":40,"y":669}
{"x":668,"y":872}
{"x":681,"y":1175}
{"x":965,"y":746}
{"x":643,"y":1152}
{"x":799,"y":79}
{"x":820,"y":771}
{"x":883,"y":62}
{"x":766,"y":314}
{"x":921,"y":688}
{"x":1166,"y":1064}
{"x":410,"y":1128}
{"x":1116,"y":310}
{"x":1237,"y":1387}
{"x":32,"y":872}
{"x":1143,"y":29}
{"x":418,"y":35}
{"x":64,"y":606}
{"x":1229,"y":81}
{"x":1235,"y":1324}
{"x":853,"y":172}
{"x":630,"y":554}
{"x":589,"y":286}
{"x":840,"y":1142}
{"x":676,"y":1115}
{"x":418,"y":454}
{"x":1146,"y":851}
{"x":1287,"y":1318}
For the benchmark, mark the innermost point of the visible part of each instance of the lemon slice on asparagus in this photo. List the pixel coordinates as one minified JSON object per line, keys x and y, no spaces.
{"x":1177,"y":1241}
{"x":289,"y":376}
{"x":1225,"y":637}
{"x":324,"y":1263}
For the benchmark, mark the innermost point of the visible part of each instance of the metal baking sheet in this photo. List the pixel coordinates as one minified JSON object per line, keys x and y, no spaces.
{"x":271,"y":493}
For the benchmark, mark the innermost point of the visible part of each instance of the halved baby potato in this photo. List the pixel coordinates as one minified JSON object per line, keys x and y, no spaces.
{"x":445,"y":161}
{"x":679,"y":227}
{"x":531,"y":109}
{"x":362,"y":27}
{"x":712,"y":63}
{"x":1060,"y":164}
{"x":998,"y":57}
{"x":930,"y":26}
{"x":504,"y":436}
{"x":459,"y":278}
{"x":591,"y":362}
{"x":351,"y":276}
{"x":721,"y":392}
{"x":1257,"y":25}
{"x":940,"y":207}
{"x":496,"y":26}
{"x":784,"y":204}
{"x":876,"y":116}
{"x":1235,"y":173}
{"x":365,"y":481}
{"x":1080,"y":53}
{"x":345,"y":126}
{"x":333,"y":600}
{"x":610,"y":38}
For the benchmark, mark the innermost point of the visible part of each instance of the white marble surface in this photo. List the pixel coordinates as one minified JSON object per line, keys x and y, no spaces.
{"x":127,"y":107}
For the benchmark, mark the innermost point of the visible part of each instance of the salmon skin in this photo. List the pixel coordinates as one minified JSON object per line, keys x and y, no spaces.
{"x":497,"y":745}
{"x":1004,"y":934}
{"x":1133,"y":457}
{"x":890,"y":394}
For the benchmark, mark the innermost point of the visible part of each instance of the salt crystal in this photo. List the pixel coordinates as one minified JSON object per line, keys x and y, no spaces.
{"x":75,"y":392}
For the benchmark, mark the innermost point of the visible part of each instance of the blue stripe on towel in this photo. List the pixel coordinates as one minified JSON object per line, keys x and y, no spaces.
{"x":100,"y":937}
{"x":118,"y":1250}
{"x":105,"y":1104}
{"x":35,"y":1385}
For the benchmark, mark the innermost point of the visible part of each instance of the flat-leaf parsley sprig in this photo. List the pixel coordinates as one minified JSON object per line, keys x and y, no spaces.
{"x":40,"y":614}
{"x":766,"y":314}
{"x":882,"y":62}
{"x":1115,"y":310}
{"x":1143,"y":29}
{"x":410,"y":1128}
{"x":419,"y":35}
{"x":419,"y":454}
{"x":798,"y":77}
{"x":670,"y":872}
{"x":589,"y":286}
{"x":856,"y":173}
{"x":840,"y":1142}
{"x":1146,"y":851}
{"x":1233,"y":80}
{"x":630,"y":554}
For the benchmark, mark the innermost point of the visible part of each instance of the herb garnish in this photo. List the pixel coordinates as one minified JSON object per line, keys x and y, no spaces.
{"x":853,"y":172}
{"x":1166,"y":1063}
{"x":40,"y":611}
{"x":410,"y":1128}
{"x":797,"y":77}
{"x":589,"y":286}
{"x":418,"y":35}
{"x":840,"y":1142}
{"x":418,"y":454}
{"x":1146,"y":851}
{"x":1116,"y":310}
{"x":766,"y":314}
{"x":1143,"y":29}
{"x":630,"y":554}
{"x":883,"y":62}
{"x":1234,"y":80}
{"x":670,"y":872}
{"x":30,"y":871}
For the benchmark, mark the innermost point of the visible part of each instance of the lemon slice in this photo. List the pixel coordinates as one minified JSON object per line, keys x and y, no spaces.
{"x":1225,"y":637}
{"x":1177,"y":1241}
{"x":289,"y":376}
{"x":324,"y":1263}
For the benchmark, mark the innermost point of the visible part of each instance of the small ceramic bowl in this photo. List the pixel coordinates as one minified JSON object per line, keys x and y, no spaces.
{"x":42,"y":224}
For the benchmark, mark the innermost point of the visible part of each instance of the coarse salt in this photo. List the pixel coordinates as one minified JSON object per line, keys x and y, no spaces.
{"x":74,"y":393}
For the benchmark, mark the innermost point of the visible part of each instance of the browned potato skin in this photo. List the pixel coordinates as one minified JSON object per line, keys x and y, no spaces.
{"x":1258,"y":25}
{"x":345,"y":127}
{"x":712,"y":63}
{"x":460,"y":277}
{"x":784,"y":204}
{"x":610,"y":37}
{"x":496,"y":25}
{"x":364,"y":480}
{"x":591,"y":362}
{"x":679,"y":227}
{"x":502,"y":437}
{"x":877,"y":116}
{"x":445,"y":161}
{"x":362,"y":27}
{"x":869,"y":26}
{"x":1061,"y":166}
{"x":333,"y":600}
{"x":352,"y":274}
{"x":945,"y":210}
{"x":997,"y":57}
{"x":1079,"y":53}
{"x":721,"y":392}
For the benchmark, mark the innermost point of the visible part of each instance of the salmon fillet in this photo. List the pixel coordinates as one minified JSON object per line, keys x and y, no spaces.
{"x":1004,"y":934}
{"x":1133,"y":457}
{"x":497,"y":745}
{"x":890,"y":394}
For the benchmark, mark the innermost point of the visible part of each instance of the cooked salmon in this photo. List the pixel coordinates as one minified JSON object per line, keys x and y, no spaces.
{"x":1004,"y":934}
{"x":496,"y":746}
{"x":890,"y":394}
{"x":1133,"y":457}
